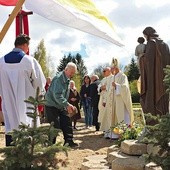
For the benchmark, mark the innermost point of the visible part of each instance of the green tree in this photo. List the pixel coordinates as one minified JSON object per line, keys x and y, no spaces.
{"x":134,"y":92}
{"x":99,"y":69}
{"x":132,"y":71}
{"x":41,"y":56}
{"x":158,"y":133}
{"x":64,"y":61}
{"x":81,"y":68}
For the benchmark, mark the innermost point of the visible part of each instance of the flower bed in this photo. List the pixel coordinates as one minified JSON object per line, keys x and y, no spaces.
{"x":125,"y":132}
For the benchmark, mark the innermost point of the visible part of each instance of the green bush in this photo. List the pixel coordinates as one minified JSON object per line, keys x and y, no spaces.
{"x":134,"y":92}
{"x":32,"y":146}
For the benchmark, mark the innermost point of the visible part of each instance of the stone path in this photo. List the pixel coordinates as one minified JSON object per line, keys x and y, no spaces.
{"x":90,"y":143}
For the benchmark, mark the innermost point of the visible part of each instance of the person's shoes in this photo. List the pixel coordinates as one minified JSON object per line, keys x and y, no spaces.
{"x":87,"y":127}
{"x":71,"y":144}
{"x":97,"y":126}
{"x":74,"y":128}
{"x":2,"y":123}
{"x":90,"y":127}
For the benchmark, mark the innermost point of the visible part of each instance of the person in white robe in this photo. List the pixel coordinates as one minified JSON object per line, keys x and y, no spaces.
{"x":103,"y":89}
{"x":20,"y":75}
{"x":120,"y":102}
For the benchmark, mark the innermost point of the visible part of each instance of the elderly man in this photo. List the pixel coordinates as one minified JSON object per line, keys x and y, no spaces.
{"x":57,"y":107}
{"x":103,"y":89}
{"x":118,"y":101}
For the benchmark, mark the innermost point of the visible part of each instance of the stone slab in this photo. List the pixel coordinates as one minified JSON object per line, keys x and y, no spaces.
{"x":152,"y":166}
{"x":96,"y":158}
{"x":112,"y":149}
{"x":93,"y":165}
{"x":118,"y":154}
{"x":128,"y":164}
{"x":132,"y":147}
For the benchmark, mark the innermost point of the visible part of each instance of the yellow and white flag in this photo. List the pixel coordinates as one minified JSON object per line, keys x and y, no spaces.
{"x":79,"y":14}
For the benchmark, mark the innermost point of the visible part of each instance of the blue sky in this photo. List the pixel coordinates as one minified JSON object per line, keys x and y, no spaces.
{"x":82,"y":51}
{"x":129,"y":18}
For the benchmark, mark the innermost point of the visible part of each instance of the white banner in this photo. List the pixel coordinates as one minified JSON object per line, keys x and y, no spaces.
{"x":79,"y":14}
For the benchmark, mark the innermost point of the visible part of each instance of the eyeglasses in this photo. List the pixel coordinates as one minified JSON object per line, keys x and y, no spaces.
{"x":104,"y":71}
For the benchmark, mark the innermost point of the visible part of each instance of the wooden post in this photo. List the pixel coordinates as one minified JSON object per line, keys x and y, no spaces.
{"x":11,"y":19}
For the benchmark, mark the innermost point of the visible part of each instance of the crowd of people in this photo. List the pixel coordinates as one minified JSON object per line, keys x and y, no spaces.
{"x":105,"y":102}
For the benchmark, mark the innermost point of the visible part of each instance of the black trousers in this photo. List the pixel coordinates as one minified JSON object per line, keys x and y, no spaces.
{"x":8,"y":140}
{"x":61,"y":121}
{"x":95,"y":117}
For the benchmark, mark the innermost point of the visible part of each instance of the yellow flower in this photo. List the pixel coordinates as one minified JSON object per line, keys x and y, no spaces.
{"x":116,"y":130}
{"x":120,"y":131}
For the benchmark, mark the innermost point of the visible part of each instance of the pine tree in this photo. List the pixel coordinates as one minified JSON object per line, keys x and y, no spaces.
{"x":134,"y":92}
{"x":132,"y":71}
{"x":32,"y":146}
{"x":158,"y":133}
{"x":81,"y":68}
{"x":64,"y":61}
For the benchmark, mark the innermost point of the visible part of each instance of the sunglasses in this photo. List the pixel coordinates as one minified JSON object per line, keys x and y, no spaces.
{"x":104,"y":71}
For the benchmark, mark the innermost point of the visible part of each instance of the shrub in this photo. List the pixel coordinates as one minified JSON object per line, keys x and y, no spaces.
{"x":32,"y":146}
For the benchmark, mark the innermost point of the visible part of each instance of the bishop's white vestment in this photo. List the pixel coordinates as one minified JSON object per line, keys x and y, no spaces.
{"x":122,"y":102}
{"x":118,"y":103}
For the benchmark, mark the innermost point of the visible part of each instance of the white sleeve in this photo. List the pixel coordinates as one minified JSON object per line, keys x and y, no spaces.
{"x":118,"y":88}
{"x":38,"y":78}
{"x":98,"y":88}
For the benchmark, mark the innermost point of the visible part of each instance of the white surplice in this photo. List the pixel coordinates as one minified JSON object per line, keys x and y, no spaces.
{"x":18,"y":81}
{"x":105,"y":97}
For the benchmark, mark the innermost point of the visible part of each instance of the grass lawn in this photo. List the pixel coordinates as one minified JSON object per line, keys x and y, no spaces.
{"x":138,"y":113}
{"x":136,"y":105}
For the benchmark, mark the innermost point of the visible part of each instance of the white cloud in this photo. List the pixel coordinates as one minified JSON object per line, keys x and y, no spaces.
{"x":152,"y":3}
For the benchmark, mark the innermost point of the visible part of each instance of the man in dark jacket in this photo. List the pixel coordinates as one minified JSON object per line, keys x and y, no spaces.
{"x":95,"y":100}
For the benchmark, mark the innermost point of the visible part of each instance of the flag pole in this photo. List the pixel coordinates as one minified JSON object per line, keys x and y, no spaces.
{"x":11,"y":19}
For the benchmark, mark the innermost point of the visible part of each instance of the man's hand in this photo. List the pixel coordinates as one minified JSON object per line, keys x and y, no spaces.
{"x":70,"y":108}
{"x":103,"y":87}
{"x":114,"y":85}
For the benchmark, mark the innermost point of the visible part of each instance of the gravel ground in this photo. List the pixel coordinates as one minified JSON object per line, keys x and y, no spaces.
{"x":90,"y":143}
